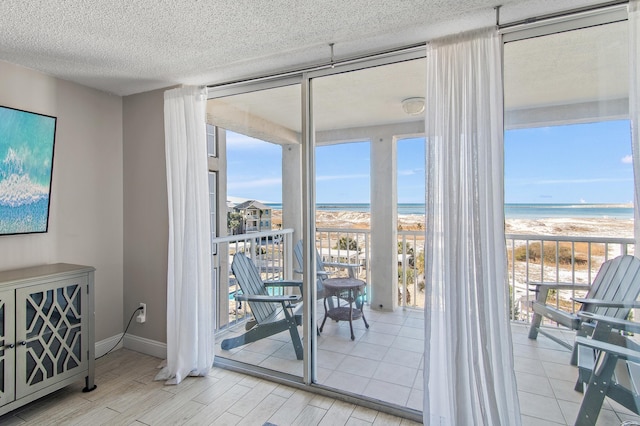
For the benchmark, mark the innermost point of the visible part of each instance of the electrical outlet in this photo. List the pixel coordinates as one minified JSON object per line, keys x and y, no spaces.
{"x":142,"y":313}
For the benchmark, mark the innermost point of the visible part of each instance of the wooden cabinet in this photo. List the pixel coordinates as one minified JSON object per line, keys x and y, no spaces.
{"x":46,"y":331}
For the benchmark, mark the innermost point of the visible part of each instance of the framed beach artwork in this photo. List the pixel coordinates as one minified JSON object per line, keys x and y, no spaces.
{"x":26,"y":167}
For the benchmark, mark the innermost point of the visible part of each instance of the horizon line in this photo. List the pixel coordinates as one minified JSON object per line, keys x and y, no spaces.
{"x":577,"y":204}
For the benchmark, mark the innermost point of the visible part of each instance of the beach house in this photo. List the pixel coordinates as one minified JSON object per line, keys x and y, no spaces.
{"x":256,"y":216}
{"x":300,"y":75}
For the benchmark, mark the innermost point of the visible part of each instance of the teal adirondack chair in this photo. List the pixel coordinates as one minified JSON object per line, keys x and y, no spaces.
{"x":609,"y":365}
{"x":272,"y":314}
{"x":613,"y":293}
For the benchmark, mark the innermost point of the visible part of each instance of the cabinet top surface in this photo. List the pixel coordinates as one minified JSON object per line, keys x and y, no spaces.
{"x":41,"y":271}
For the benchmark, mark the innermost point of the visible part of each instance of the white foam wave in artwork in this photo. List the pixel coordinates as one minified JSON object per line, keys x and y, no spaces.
{"x":12,"y":164}
{"x":17,"y":190}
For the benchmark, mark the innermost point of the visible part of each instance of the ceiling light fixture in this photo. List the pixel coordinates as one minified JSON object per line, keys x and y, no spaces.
{"x":413,"y":106}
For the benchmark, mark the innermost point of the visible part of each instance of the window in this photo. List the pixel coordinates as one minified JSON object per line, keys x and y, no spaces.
{"x":567,"y":132}
{"x":212,"y":142}
{"x":568,"y":171}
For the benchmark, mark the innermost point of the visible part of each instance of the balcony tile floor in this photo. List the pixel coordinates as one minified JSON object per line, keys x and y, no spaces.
{"x":386,"y":362}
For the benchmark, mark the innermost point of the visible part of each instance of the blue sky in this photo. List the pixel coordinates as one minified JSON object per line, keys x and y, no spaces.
{"x":586,"y":163}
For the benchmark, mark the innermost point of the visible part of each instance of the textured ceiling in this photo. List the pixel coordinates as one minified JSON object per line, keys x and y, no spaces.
{"x":126,"y":47}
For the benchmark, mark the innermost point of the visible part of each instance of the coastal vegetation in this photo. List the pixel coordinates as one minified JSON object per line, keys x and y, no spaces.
{"x":412,"y":274}
{"x":347,"y":243}
{"x":561,"y":253}
{"x":234,"y":222}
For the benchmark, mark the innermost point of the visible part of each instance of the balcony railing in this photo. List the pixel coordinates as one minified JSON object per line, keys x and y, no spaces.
{"x":271,"y":251}
{"x":531,"y":258}
{"x":354,"y":246}
{"x":566,"y":259}
{"x":346,"y":246}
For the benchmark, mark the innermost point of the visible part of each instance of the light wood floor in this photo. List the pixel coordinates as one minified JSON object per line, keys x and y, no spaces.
{"x":127,"y":395}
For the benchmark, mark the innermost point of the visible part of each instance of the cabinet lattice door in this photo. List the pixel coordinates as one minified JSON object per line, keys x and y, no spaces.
{"x":7,"y":353}
{"x":50,"y":322}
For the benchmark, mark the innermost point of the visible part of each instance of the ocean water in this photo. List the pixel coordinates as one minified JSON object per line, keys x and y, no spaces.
{"x":529,"y":211}
{"x":511,"y":211}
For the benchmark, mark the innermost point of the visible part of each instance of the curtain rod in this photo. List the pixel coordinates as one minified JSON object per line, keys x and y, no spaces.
{"x":561,"y":14}
{"x":330,"y":63}
{"x":405,"y":49}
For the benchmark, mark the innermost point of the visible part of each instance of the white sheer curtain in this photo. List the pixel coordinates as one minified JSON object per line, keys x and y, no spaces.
{"x":189,"y":301}
{"x":469,"y":375}
{"x":634,"y":104}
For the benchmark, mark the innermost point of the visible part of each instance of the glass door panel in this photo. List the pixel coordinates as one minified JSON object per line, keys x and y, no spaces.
{"x":258,"y":151}
{"x":568,"y":163}
{"x":370,"y":340}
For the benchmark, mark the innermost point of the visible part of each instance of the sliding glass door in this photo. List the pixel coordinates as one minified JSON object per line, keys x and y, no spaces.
{"x":370,"y":339}
{"x":329,"y":177}
{"x":258,"y":161}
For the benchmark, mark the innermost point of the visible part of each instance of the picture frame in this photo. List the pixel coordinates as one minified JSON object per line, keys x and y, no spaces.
{"x":27,"y":142}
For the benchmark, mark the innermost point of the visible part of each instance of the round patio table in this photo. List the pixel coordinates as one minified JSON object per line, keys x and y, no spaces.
{"x":352,"y":287}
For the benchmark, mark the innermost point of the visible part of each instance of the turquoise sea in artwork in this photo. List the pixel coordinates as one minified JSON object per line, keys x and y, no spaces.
{"x":26,"y":163}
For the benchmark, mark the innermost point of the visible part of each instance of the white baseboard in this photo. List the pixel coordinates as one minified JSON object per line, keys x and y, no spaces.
{"x":146,"y":346}
{"x":135,"y":343}
{"x":103,"y":346}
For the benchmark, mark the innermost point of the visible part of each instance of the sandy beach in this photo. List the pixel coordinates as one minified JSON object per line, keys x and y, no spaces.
{"x":354,"y":220}
{"x":591,"y":227}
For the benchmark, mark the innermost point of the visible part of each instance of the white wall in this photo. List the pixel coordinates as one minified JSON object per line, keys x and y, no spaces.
{"x":86,"y":221}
